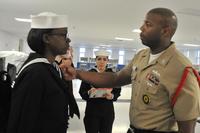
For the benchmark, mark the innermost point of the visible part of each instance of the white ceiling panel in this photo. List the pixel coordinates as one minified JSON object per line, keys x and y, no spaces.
{"x":95,"y":22}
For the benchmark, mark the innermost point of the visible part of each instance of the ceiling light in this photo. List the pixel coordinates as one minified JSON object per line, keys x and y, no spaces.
{"x":102,"y":45}
{"x":123,"y":39}
{"x":136,"y":30}
{"x":134,"y":49}
{"x":191,"y":45}
{"x":23,"y":20}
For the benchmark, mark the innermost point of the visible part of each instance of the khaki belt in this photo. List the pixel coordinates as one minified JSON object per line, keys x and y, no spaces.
{"x":132,"y":129}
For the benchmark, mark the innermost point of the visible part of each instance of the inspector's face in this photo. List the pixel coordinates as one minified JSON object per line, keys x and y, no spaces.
{"x":59,"y":41}
{"x":151,"y":30}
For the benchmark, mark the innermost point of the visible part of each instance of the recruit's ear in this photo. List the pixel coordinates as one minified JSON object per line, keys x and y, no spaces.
{"x":45,"y":38}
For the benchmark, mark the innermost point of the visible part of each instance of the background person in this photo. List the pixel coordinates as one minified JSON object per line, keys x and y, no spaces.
{"x":154,"y":76}
{"x":99,"y":112}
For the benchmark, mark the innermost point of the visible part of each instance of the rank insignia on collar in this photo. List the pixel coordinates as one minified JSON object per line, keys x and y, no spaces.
{"x":134,"y":68}
{"x":146,"y":99}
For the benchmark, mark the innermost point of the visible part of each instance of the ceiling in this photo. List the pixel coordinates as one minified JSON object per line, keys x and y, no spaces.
{"x":98,"y":22}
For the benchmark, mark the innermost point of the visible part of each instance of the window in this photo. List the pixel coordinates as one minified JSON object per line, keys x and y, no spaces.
{"x":121,"y":60}
{"x":110,"y":51}
{"x":198,"y":57}
{"x":121,"y":57}
{"x":82,"y":52}
{"x":121,"y":52}
{"x":94,"y":50}
{"x":187,"y":53}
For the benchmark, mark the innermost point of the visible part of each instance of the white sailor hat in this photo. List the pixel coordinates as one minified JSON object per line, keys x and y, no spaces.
{"x":48,"y":20}
{"x":102,"y":53}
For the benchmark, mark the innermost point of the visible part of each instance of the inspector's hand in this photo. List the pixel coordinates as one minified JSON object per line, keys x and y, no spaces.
{"x":66,"y":62}
{"x":69,"y":72}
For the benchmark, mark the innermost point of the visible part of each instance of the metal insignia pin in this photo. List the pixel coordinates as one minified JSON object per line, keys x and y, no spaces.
{"x":146,"y":99}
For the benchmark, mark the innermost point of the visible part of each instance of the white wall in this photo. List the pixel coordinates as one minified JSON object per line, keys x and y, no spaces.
{"x":8,"y":41}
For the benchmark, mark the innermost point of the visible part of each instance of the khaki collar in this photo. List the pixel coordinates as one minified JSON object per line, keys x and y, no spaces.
{"x":164,"y":57}
{"x":167,"y":55}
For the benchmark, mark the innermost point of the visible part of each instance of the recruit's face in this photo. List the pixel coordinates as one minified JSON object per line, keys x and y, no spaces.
{"x":101,"y":62}
{"x":59,"y":41}
{"x":151,"y":30}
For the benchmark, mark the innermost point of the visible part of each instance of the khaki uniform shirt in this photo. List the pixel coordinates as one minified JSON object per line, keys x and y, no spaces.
{"x":153,"y":86}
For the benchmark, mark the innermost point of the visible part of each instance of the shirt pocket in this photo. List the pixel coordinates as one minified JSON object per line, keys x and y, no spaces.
{"x":156,"y":96}
{"x":152,"y":90}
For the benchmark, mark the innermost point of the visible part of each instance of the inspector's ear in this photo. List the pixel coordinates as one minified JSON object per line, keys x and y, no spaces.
{"x":45,"y":38}
{"x":166,"y":31}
